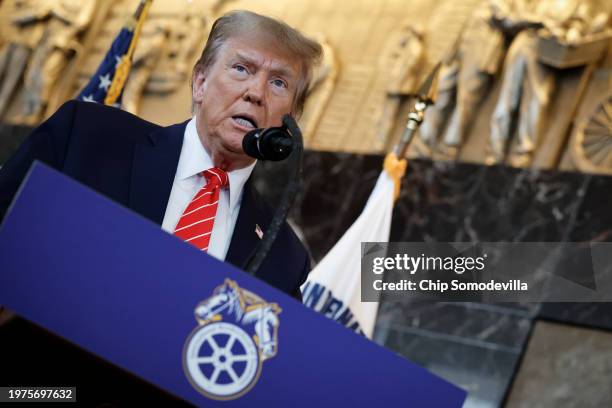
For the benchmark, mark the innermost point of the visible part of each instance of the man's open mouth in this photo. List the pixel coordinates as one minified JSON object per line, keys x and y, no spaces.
{"x":245,"y":121}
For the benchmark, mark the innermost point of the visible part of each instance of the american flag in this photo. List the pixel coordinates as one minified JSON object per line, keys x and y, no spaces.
{"x":117,"y":59}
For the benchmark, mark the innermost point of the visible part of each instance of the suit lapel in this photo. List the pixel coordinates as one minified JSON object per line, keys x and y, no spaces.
{"x":153,"y":171}
{"x":244,"y":238}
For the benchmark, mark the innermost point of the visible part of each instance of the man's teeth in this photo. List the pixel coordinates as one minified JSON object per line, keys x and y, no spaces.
{"x":244,"y":122}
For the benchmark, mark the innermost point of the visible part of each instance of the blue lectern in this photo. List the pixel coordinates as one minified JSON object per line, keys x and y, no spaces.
{"x":115,"y":284}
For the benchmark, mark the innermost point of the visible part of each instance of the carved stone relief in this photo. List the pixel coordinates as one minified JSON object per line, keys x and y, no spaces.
{"x":503,"y":68}
{"x":38,"y":40}
{"x":321,"y":88}
{"x":528,"y":82}
{"x":591,"y":145}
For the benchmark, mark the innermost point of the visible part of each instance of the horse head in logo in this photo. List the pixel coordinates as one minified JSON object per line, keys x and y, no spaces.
{"x":265,"y":316}
{"x":226,"y":298}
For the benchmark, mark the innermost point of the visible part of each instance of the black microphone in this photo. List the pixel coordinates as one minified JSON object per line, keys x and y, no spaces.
{"x":273,"y":144}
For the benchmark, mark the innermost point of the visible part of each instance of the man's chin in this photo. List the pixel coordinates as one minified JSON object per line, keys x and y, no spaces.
{"x":234,"y":150}
{"x":233,"y":142}
{"x":236,"y":155}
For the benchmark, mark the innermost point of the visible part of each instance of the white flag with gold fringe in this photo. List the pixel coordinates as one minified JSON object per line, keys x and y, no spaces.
{"x":333,"y":287}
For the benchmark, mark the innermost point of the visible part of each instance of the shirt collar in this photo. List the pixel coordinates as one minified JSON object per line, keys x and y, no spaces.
{"x":195,"y":159}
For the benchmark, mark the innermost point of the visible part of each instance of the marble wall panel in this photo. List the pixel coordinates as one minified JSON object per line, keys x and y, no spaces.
{"x":476,"y":346}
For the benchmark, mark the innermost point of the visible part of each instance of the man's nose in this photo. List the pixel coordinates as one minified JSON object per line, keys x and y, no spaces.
{"x":256,"y":90}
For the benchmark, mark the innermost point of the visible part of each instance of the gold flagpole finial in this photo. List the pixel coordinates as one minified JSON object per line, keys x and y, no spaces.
{"x":425,"y":96}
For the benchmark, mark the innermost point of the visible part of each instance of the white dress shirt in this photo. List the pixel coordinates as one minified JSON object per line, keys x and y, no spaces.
{"x":195,"y":159}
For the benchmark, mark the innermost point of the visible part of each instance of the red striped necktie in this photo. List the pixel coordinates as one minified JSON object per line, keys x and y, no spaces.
{"x":196,"y":223}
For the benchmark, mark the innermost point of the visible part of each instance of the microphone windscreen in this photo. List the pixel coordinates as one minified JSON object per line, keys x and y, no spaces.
{"x":274,"y":144}
{"x":249,"y":144}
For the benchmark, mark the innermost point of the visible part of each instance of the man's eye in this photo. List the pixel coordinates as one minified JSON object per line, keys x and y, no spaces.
{"x":240,"y":68}
{"x":279,"y":83}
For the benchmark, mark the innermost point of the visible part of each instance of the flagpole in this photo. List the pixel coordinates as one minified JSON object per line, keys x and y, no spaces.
{"x":123,"y":68}
{"x":426,"y":95}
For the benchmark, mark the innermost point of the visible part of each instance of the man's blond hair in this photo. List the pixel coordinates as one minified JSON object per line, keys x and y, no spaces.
{"x":278,"y":33}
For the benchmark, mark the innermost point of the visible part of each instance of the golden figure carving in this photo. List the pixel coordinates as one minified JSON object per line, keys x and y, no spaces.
{"x":321,"y":88}
{"x":151,"y":45}
{"x":185,"y":39}
{"x":400,"y":62}
{"x":467,"y":73}
{"x":60,"y":40}
{"x":21,"y":28}
{"x":393,"y":76}
{"x":403,"y":59}
{"x":528,"y":83}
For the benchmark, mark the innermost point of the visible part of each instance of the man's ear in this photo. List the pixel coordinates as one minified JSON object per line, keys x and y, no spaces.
{"x":197,"y":86}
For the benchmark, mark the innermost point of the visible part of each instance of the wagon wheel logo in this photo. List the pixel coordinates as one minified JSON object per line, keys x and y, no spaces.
{"x":221,"y":359}
{"x":591,"y":148}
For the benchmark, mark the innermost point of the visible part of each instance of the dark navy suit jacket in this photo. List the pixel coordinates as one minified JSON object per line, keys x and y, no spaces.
{"x":133,"y":162}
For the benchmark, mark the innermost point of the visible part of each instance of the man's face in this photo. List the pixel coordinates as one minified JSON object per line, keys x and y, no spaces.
{"x":248,"y":86}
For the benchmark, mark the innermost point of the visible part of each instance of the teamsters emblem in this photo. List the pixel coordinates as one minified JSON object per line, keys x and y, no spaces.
{"x":237,"y":331}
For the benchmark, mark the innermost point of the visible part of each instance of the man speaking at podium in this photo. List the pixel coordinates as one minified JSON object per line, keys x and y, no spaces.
{"x":193,"y":178}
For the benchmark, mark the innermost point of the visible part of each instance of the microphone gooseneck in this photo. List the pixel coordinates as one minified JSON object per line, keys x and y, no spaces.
{"x":260,"y":251}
